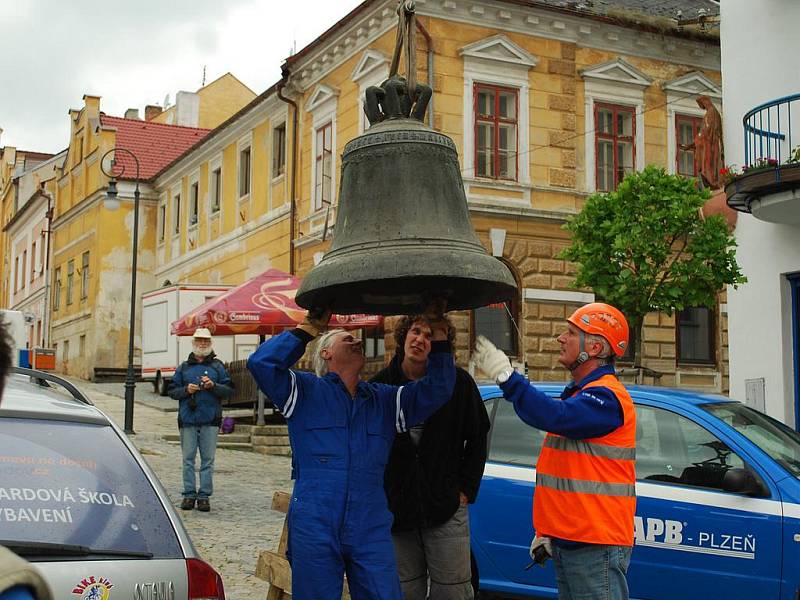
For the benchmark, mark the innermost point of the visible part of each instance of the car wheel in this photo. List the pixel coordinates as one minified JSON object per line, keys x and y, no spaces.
{"x":163,"y":385}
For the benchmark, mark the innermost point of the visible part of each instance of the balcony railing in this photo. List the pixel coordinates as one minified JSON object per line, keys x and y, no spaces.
{"x":769,"y":184}
{"x":768,"y":131}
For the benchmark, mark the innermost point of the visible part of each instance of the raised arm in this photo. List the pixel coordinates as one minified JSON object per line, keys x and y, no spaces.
{"x":270,"y":364}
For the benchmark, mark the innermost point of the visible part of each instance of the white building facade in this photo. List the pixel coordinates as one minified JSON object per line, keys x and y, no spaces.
{"x":760,"y":66}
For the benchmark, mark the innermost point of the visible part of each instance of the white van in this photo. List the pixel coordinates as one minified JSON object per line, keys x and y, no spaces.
{"x":162,"y":352}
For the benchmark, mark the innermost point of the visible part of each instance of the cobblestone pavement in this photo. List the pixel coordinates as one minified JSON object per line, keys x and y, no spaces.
{"x":240,"y":524}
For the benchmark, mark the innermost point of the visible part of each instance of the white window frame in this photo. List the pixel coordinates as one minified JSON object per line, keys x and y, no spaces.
{"x":213,"y":165}
{"x":682,"y":94}
{"x":322,"y":106}
{"x":245,"y":143}
{"x":613,"y":82}
{"x":176,"y":211}
{"x":498,"y":61}
{"x":194,"y":180}
{"x":275,"y":125}
{"x":161,"y":221}
{"x":372,"y":69}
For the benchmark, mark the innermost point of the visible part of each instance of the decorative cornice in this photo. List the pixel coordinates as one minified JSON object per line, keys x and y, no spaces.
{"x":498,"y":48}
{"x":617,"y":71}
{"x":492,"y":14}
{"x":694,"y":84}
{"x":320,"y":96}
{"x":370,"y":60}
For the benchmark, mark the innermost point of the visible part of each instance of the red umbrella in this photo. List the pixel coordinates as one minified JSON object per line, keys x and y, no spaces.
{"x":263,"y":305}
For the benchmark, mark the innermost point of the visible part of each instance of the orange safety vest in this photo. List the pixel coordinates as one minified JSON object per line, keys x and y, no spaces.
{"x":586,"y":489}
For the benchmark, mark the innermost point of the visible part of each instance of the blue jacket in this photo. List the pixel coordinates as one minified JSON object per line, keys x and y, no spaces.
{"x":579,"y":416}
{"x":329,"y":430}
{"x":203,"y":407}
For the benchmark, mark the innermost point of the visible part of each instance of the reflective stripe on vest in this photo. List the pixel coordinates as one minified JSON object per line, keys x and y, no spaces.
{"x":586,"y":489}
{"x":590,"y":448}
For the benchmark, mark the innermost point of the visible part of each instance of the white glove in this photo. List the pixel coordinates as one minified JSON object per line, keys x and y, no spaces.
{"x":540,"y":550}
{"x":489,"y":359}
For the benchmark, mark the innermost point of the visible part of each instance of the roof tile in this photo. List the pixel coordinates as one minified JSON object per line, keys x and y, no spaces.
{"x":155,"y":145}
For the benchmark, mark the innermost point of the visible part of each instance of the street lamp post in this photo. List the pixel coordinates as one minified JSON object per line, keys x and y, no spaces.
{"x":111,"y":193}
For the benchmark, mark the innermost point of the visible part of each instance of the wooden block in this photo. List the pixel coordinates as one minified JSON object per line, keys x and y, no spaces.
{"x":280,"y":502}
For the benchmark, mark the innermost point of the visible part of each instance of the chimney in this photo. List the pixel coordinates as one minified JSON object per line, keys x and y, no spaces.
{"x":187,"y":109}
{"x":132,"y":113}
{"x":151,"y":111}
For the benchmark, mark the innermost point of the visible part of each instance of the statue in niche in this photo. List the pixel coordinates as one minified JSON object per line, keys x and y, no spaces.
{"x":709,"y":155}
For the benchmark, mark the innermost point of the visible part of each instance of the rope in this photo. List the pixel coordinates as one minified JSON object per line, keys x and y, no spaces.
{"x":406,"y":22}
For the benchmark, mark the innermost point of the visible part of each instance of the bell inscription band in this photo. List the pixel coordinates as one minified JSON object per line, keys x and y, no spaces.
{"x":403,"y":232}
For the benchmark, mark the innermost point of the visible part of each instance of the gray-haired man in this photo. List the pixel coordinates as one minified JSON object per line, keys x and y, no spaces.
{"x":341,"y":430}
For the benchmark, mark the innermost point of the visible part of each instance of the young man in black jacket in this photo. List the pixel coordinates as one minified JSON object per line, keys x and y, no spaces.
{"x":434,"y":471}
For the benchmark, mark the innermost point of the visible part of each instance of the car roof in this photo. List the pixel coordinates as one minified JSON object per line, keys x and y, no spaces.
{"x":23,"y":397}
{"x":667,"y":395}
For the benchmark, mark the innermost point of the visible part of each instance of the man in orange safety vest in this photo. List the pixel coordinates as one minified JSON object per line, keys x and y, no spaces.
{"x":585,"y":496}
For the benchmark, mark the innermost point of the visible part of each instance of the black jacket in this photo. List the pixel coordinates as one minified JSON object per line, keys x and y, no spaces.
{"x":423,"y":483}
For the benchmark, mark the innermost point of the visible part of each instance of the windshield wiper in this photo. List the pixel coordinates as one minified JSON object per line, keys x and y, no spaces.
{"x":34,"y":549}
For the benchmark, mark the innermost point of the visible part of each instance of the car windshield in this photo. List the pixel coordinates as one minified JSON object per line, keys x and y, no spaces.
{"x":776,"y":439}
{"x":72,"y":490}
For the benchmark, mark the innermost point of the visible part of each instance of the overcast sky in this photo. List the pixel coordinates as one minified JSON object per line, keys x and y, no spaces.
{"x":135,"y":53}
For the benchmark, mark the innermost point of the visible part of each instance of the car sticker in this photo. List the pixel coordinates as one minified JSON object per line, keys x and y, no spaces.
{"x":93,"y":588}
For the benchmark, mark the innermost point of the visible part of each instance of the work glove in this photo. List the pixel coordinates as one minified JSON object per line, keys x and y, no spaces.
{"x":315,"y":321}
{"x":489,"y":359}
{"x":540,"y":550}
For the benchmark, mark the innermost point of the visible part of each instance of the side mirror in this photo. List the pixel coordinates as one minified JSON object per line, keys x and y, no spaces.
{"x":744,"y":481}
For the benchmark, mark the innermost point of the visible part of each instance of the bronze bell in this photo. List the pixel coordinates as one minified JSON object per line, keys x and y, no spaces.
{"x":403,"y":233}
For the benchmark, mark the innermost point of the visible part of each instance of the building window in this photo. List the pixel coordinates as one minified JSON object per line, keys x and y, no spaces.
{"x":323,"y":174}
{"x":70,"y":280}
{"x":16,"y":273}
{"x":244,"y":172}
{"x":374,"y":341}
{"x":279,"y":150}
{"x":176,"y":213}
{"x":23,"y":269}
{"x":615,"y":146}
{"x":85,"y":275}
{"x":495,"y":323}
{"x":57,"y":289}
{"x":696,"y":336}
{"x":82,"y":346}
{"x":194,"y":199}
{"x":162,"y":222}
{"x":216,"y":190}
{"x":686,"y":129}
{"x":495,"y":132}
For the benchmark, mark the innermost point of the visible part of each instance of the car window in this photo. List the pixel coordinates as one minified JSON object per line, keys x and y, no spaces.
{"x":77,"y":484}
{"x":512,"y":441}
{"x":782,"y":443}
{"x":675,"y":449}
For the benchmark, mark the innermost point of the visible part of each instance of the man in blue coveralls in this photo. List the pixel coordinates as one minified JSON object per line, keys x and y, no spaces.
{"x":341,"y":430}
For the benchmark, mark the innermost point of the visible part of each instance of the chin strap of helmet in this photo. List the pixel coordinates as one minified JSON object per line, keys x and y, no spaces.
{"x":583,"y":356}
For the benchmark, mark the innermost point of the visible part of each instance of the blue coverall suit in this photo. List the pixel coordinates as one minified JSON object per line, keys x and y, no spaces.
{"x":338,"y":519}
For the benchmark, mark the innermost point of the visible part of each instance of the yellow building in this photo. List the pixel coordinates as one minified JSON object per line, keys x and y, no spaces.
{"x":206,"y":108}
{"x":583,"y":98}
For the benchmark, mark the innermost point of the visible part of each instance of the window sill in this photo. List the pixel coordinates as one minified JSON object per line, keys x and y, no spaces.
{"x":245,"y":198}
{"x":278,"y":178}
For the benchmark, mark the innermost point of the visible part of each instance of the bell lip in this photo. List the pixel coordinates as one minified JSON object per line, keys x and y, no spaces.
{"x":462,"y":297}
{"x":468,"y":280}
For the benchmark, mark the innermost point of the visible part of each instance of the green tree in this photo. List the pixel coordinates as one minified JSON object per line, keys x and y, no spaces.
{"x":646,"y":247}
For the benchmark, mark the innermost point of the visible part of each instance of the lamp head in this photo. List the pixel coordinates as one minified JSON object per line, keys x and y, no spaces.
{"x":111,"y":203}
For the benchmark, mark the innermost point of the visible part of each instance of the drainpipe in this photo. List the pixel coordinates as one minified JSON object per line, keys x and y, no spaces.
{"x":429,"y":45}
{"x":46,"y":313}
{"x":285,"y":74}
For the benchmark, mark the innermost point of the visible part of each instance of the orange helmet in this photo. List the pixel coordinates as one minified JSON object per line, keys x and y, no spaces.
{"x":603,"y":320}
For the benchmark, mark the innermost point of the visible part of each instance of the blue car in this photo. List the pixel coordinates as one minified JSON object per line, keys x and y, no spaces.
{"x":718,"y":501}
